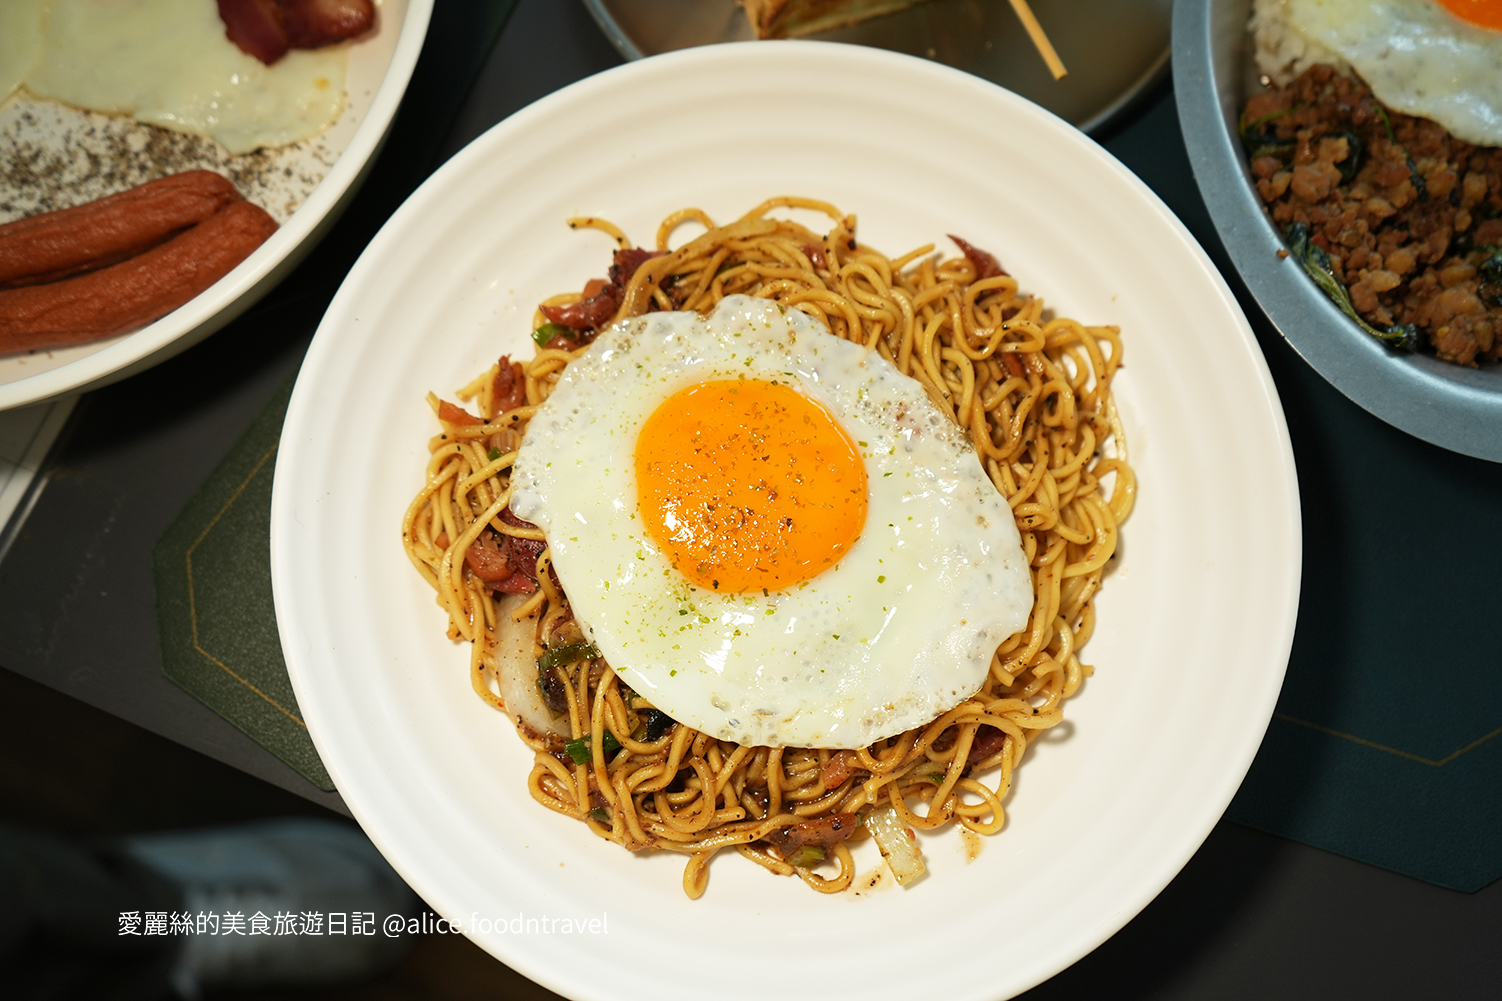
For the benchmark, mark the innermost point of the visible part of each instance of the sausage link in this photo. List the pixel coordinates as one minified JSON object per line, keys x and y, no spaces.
{"x":136,"y":291}
{"x":54,"y":245}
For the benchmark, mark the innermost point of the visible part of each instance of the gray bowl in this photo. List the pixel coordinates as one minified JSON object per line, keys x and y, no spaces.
{"x":1448,"y":405}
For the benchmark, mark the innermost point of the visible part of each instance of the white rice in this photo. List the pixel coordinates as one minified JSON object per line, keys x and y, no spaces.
{"x":1283,"y":52}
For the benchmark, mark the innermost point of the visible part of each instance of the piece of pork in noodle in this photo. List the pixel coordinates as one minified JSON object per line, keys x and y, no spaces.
{"x":515,"y":667}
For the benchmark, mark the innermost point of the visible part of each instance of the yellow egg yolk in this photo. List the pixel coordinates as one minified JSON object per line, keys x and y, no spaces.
{"x":1486,"y":13}
{"x":749,"y":485}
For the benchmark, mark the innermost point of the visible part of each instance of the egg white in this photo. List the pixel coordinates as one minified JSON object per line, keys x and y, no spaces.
{"x":902,"y":629}
{"x":168,"y":62}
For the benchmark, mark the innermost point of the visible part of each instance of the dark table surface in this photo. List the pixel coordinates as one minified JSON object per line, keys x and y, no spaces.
{"x":1251,"y":915}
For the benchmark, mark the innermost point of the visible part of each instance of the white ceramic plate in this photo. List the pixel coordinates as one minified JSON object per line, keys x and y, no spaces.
{"x":1195,"y":625}
{"x":379,"y":68}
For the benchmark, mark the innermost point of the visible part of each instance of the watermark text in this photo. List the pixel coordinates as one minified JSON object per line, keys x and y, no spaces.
{"x":321,"y":923}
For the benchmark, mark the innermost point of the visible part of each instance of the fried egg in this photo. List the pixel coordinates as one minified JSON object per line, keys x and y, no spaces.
{"x":168,"y":62}
{"x":769,"y":531}
{"x":20,"y":41}
{"x":1438,"y":59}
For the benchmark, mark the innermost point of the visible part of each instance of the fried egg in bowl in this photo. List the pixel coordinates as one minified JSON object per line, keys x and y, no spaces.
{"x":1437,"y":59}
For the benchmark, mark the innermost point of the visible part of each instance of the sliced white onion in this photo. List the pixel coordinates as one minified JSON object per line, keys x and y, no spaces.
{"x":516,"y":672}
{"x":898,"y":844}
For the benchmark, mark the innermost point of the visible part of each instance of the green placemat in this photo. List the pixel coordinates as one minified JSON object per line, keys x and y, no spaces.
{"x":1387,"y":741}
{"x":215,"y":616}
{"x":1386,"y":746}
{"x":212,"y":567}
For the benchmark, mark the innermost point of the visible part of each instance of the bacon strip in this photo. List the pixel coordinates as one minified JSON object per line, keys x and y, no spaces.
{"x":823,"y":833}
{"x":521,"y":555}
{"x":255,"y":26}
{"x":517,"y":583}
{"x":312,"y":24}
{"x":501,"y":564}
{"x":601,"y":299}
{"x":623,"y":266}
{"x":986,"y":264}
{"x":486,"y":560}
{"x":266,"y":29}
{"x":986,"y":742}
{"x":509,"y":388}
{"x":586,"y":314}
{"x":452,"y":413}
{"x":840,"y":766}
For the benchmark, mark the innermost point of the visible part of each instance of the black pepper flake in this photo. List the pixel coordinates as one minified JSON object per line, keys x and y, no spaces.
{"x":57,"y":157}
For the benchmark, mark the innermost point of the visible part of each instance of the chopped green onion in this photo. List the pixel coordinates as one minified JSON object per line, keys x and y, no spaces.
{"x":601,"y":814}
{"x":1386,"y":122}
{"x":1248,"y":129}
{"x":579,"y":749}
{"x":566,"y":655}
{"x":805,"y":856}
{"x":493,"y":454}
{"x":545,"y":333}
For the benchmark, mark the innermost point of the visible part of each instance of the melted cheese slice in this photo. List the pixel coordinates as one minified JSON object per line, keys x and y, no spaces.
{"x":20,"y":41}
{"x":168,"y":62}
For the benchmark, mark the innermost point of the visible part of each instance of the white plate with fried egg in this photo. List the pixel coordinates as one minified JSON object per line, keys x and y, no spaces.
{"x":97,"y":96}
{"x":1194,"y":625}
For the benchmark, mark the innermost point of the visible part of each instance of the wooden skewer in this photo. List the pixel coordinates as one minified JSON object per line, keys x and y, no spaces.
{"x":1035,"y":32}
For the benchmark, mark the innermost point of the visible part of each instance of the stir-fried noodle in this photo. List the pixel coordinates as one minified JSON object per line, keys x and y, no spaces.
{"x":1034,"y":396}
